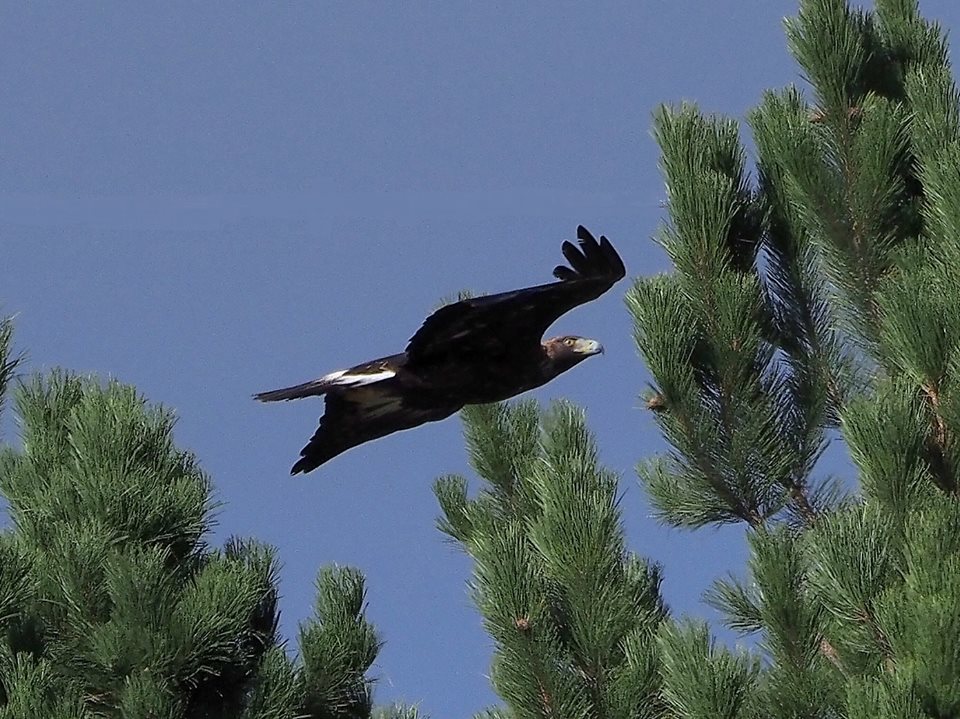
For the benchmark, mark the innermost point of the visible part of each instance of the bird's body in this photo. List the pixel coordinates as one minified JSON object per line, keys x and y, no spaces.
{"x":475,"y":351}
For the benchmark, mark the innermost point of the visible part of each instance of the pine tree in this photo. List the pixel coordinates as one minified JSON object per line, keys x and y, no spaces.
{"x":821,"y":303}
{"x":573,"y":614}
{"x":817,"y":303}
{"x":112,"y":603}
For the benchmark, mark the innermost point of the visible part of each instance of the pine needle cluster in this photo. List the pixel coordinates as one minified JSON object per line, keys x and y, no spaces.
{"x":813,"y":300}
{"x":574,"y":615}
{"x":819,"y":303}
{"x":112,"y":602}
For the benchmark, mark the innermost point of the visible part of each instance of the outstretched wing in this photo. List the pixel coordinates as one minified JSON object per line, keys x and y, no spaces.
{"x":361,"y":414}
{"x":514,"y":322}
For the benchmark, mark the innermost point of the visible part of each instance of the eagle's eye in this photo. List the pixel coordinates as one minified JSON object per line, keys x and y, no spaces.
{"x":568,"y":341}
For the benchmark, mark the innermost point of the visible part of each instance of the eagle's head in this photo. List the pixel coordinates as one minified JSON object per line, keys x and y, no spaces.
{"x":567,"y":351}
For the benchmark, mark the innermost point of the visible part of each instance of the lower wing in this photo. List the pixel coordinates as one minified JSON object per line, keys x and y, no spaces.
{"x":359,"y":415}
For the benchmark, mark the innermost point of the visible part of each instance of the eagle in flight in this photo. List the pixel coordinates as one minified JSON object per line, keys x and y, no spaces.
{"x":475,"y":351}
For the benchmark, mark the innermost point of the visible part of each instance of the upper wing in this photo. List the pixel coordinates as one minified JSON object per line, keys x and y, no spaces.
{"x":357,"y":415}
{"x":515,"y":321}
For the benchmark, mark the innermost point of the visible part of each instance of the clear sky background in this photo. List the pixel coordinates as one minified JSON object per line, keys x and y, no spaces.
{"x":211,"y":199}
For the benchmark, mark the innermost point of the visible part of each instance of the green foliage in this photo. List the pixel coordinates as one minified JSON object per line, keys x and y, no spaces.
{"x":573,"y":614}
{"x":817,"y":303}
{"x":8,"y":361}
{"x":111,"y":602}
{"x":746,"y":428}
{"x":702,"y":680}
{"x":845,"y":317}
{"x":338,"y":647}
{"x":399,"y":712}
{"x":823,"y":297}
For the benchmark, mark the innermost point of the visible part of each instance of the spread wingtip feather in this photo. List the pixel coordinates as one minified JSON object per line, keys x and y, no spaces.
{"x":590,"y":259}
{"x":562,"y":272}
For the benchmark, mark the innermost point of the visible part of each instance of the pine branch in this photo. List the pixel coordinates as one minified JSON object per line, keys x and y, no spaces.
{"x":552,"y":579}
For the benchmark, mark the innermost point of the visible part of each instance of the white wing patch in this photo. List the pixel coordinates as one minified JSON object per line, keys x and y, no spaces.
{"x":343,"y":378}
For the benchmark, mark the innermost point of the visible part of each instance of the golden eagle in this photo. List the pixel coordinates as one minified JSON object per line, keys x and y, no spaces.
{"x":477,"y":350}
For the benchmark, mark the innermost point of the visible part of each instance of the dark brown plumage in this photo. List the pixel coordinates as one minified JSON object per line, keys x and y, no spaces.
{"x":477,"y":350}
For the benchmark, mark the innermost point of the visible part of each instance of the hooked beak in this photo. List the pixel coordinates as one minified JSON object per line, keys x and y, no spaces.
{"x":590,"y":348}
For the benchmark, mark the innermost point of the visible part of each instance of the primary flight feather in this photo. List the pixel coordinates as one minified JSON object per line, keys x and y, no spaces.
{"x":475,"y":351}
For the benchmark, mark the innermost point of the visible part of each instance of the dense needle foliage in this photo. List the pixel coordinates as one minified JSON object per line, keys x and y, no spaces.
{"x":815,"y":301}
{"x":812,"y":300}
{"x":112,"y":604}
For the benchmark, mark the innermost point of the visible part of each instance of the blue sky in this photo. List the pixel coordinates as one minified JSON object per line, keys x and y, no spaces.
{"x":208,"y":200}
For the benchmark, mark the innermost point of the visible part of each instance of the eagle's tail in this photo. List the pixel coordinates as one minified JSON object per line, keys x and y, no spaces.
{"x":356,"y":377}
{"x":313,"y":388}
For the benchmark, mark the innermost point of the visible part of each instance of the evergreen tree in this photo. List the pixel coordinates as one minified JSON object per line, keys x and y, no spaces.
{"x":112,"y":603}
{"x":823,"y":298}
{"x":573,"y":614}
{"x":819,"y":303}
